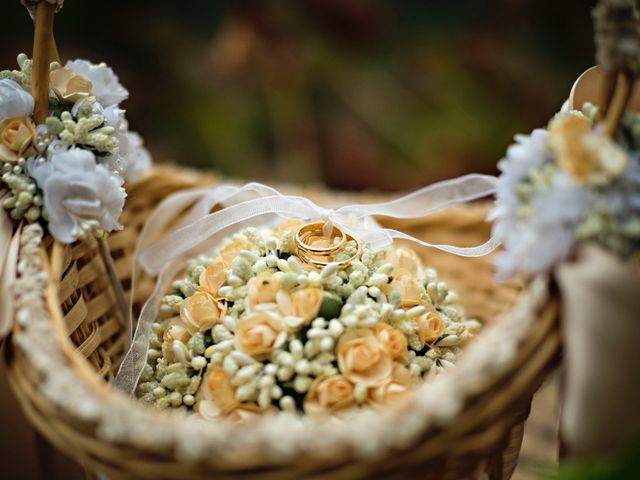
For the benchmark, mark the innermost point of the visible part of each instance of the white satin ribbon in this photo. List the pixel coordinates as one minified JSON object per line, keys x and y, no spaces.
{"x":255,"y":203}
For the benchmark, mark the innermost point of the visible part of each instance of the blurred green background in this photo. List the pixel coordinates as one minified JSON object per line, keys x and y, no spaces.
{"x":374,"y":94}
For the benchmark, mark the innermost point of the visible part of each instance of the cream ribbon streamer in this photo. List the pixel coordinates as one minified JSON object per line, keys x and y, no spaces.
{"x":257,"y":204}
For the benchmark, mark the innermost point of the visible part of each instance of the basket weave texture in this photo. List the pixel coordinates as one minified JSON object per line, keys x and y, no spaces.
{"x":69,"y":341}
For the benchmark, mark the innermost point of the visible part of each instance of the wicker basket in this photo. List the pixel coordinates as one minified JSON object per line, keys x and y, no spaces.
{"x":68,"y":342}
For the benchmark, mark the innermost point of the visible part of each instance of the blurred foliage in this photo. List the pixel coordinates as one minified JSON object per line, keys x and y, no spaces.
{"x":358,"y":94}
{"x":625,"y":466}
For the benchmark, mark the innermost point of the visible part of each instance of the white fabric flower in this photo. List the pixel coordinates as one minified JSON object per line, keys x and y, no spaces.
{"x":106,"y":86}
{"x":131,"y":159}
{"x":78,"y":191}
{"x":15,"y":101}
{"x":539,"y":231}
{"x":137,"y":157}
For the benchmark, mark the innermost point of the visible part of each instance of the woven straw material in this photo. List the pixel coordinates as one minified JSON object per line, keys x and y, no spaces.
{"x":78,"y":306}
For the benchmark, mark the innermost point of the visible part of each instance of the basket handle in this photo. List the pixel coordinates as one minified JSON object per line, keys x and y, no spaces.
{"x":44,"y":51}
{"x":617,"y":39}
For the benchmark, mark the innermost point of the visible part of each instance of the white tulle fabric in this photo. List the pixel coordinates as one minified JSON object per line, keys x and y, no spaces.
{"x":256,"y":204}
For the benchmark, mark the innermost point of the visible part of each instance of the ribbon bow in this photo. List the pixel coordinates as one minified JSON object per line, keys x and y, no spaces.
{"x":255,"y":203}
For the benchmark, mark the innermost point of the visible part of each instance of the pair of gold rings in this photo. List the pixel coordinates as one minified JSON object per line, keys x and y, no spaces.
{"x":318,"y":247}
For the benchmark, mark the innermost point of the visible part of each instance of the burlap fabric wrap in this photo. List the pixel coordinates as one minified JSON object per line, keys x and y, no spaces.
{"x":601,"y":322}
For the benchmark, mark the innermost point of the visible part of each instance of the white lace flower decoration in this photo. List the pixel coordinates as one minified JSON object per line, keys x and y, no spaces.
{"x":106,"y":86}
{"x":81,"y":197}
{"x":15,"y":101}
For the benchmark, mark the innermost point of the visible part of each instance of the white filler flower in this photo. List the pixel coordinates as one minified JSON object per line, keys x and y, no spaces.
{"x":79,"y":194}
{"x":106,"y":86}
{"x":14,"y":100}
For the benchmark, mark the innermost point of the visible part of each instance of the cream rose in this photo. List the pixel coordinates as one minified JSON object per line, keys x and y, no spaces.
{"x":287,"y":231}
{"x":394,"y":392}
{"x":262,"y":289}
{"x":257,"y":334}
{"x":362,"y":358}
{"x":216,"y":397}
{"x":245,"y":412}
{"x":68,"y":86}
{"x":175,"y":331}
{"x":411,"y":292}
{"x":201,"y":311}
{"x":430,"y":327}
{"x":16,"y":138}
{"x":406,"y":262}
{"x":329,"y":394}
{"x":233,"y":250}
{"x":303,"y":304}
{"x":392,"y":340}
{"x":213,"y":277}
{"x":587,"y":155}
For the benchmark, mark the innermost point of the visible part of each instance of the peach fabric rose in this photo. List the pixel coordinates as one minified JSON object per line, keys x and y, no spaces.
{"x":406,"y":262}
{"x":213,"y":277}
{"x":68,"y":86}
{"x":233,"y":250}
{"x":392,"y":340}
{"x":290,"y":227}
{"x":246,"y":412}
{"x":587,"y":155}
{"x":411,"y":292}
{"x":262,"y":289}
{"x":256,"y":334}
{"x":201,"y":311}
{"x":175,"y":331}
{"x":16,"y":138}
{"x":362,"y":358}
{"x":303,"y":304}
{"x":329,"y":394}
{"x":216,"y":396}
{"x":393,"y":392}
{"x":430,"y":327}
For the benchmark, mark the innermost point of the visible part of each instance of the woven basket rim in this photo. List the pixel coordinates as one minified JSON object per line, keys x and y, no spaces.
{"x":118,"y":419}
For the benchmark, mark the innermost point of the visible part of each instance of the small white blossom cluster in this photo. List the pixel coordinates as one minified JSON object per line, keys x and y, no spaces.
{"x":70,"y":169}
{"x":565,"y":185}
{"x":253,"y":329}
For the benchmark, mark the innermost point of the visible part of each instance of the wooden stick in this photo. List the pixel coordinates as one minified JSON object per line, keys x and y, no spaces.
{"x":607,"y":87}
{"x":118,"y":292}
{"x":53,"y":54}
{"x":42,"y":48}
{"x":621,"y":96}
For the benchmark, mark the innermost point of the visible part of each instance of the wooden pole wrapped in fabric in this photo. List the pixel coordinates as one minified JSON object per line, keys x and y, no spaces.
{"x":43,"y":46}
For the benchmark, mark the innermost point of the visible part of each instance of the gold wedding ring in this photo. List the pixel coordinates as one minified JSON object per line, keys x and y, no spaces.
{"x":310,"y":235}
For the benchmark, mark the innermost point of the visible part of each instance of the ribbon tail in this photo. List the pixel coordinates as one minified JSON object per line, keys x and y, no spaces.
{"x":476,"y":251}
{"x":429,"y":199}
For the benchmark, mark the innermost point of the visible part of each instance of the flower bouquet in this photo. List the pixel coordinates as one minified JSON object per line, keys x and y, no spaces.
{"x":69,"y":169}
{"x":64,"y":158}
{"x":263,"y":324}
